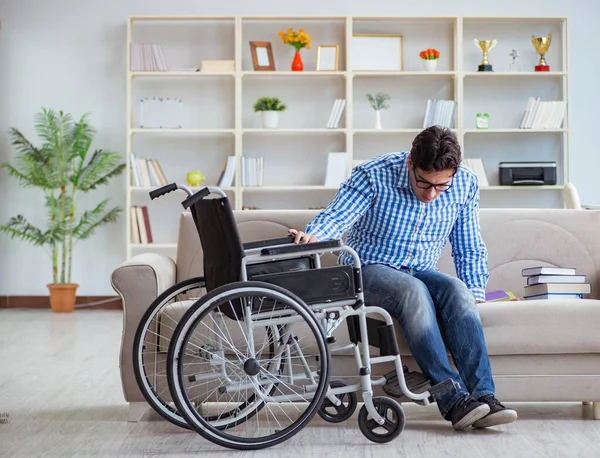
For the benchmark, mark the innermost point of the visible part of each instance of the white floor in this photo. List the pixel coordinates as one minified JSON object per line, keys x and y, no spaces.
{"x":59,"y":382}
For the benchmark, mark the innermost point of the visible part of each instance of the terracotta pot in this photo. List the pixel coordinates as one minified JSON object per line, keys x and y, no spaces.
{"x":62,"y":297}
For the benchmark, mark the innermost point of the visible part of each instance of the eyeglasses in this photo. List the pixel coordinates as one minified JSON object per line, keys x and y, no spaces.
{"x":424,"y":184}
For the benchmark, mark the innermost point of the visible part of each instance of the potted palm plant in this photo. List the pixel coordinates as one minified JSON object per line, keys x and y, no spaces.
{"x":64,"y":168}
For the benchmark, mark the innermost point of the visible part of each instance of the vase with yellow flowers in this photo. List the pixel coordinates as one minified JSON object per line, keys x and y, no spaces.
{"x":298,"y":40}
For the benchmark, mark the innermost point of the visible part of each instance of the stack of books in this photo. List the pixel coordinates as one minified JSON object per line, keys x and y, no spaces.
{"x":554,"y":283}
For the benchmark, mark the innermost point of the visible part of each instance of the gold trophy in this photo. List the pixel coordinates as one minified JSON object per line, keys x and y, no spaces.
{"x":485,"y":46}
{"x":541,"y":45}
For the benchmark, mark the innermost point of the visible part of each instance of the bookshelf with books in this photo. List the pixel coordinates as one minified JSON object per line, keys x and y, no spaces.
{"x":192,"y":82}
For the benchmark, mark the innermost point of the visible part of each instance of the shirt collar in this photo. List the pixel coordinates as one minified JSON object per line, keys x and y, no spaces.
{"x":403,"y":181}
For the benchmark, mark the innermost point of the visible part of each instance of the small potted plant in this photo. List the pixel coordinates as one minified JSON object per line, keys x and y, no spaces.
{"x":430,"y":58}
{"x":298,"y":40}
{"x":378,"y":102}
{"x":269,"y":107}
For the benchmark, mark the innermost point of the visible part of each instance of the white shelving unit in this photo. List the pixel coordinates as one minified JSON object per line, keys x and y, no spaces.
{"x":219,"y":120}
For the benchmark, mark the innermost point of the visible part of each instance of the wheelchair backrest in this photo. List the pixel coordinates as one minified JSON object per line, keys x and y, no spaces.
{"x":220,"y":240}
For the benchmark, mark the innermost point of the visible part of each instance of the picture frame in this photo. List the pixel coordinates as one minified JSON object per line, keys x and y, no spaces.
{"x":262,"y":56}
{"x":328,"y":58}
{"x":377,"y":52}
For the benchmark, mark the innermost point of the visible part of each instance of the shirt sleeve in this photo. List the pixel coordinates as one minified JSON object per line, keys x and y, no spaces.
{"x":352,"y":200}
{"x":468,"y":249}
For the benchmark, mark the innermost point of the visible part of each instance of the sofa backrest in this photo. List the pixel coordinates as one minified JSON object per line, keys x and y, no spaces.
{"x":516,"y":238}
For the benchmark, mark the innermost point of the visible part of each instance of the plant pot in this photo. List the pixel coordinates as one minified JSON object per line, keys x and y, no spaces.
{"x":430,"y":64}
{"x":297,"y":64}
{"x":270,"y":119}
{"x":62,"y":297}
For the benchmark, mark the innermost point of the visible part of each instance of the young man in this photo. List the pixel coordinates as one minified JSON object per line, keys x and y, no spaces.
{"x":398,"y":211}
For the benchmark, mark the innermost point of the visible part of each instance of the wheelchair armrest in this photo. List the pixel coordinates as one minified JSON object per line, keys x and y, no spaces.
{"x":324,"y":245}
{"x":268,"y":242}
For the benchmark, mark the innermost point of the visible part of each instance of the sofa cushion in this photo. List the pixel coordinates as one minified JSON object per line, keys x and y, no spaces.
{"x":537,"y":327}
{"x":510,"y":328}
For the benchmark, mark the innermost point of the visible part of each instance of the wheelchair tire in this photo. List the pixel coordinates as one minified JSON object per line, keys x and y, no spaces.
{"x":208,"y":304}
{"x":159,"y":405}
{"x":391,"y":428}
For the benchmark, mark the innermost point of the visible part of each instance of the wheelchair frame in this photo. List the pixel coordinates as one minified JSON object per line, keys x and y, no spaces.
{"x":352,"y":311}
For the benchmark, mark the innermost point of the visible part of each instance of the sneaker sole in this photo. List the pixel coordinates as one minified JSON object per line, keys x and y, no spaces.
{"x":469,"y":419}
{"x":499,"y":418}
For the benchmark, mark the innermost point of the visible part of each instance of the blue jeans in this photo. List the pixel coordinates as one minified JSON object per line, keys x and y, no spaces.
{"x":433,"y":308}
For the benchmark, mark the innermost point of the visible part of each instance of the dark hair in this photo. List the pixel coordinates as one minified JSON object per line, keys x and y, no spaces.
{"x":436,"y":149}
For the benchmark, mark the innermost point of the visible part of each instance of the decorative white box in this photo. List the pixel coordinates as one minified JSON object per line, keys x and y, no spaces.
{"x":161,"y":113}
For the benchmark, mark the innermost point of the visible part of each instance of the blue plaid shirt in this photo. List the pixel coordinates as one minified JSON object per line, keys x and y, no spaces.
{"x":386,"y":224}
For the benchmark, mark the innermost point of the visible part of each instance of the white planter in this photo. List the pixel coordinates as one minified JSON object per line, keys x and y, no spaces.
{"x":270,"y":119}
{"x":377,"y":119}
{"x":430,"y":64}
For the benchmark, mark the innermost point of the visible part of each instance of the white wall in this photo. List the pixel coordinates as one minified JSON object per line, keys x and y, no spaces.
{"x":70,"y":55}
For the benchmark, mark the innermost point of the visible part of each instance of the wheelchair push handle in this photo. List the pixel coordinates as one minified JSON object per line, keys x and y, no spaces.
{"x":155,"y":193}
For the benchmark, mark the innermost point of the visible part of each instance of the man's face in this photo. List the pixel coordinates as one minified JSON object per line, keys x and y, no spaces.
{"x":428,"y":186}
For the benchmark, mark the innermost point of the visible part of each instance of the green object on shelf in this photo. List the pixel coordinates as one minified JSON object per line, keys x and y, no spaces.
{"x":483,"y":121}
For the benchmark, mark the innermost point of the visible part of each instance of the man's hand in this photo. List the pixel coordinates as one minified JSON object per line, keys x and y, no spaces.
{"x":301,"y":237}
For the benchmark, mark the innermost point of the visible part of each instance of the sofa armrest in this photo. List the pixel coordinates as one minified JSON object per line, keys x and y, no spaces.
{"x":138,"y":281}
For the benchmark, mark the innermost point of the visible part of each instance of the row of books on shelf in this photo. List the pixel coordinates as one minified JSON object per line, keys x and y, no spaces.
{"x":252,"y":171}
{"x":141,"y":231}
{"x":540,"y":114}
{"x":146,"y":172}
{"x":439,"y":113}
{"x":336,"y":113}
{"x":149,"y":57}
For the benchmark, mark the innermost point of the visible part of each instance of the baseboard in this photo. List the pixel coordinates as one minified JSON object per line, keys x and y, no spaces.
{"x":43,"y":302}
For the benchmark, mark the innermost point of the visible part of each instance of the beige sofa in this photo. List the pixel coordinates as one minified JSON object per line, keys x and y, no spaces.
{"x":540,"y":350}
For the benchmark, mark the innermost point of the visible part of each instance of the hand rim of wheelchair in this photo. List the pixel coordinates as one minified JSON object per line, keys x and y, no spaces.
{"x":158,"y":405}
{"x":193,"y":315}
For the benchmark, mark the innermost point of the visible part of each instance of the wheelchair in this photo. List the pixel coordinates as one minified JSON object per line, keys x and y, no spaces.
{"x":242,"y":355}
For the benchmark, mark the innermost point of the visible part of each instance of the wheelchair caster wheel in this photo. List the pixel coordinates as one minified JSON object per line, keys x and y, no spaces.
{"x":337,"y":414}
{"x":394,"y":418}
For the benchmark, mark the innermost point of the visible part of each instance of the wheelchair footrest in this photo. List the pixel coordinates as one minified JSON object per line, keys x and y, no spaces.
{"x":444,"y":388}
{"x":415,"y":382}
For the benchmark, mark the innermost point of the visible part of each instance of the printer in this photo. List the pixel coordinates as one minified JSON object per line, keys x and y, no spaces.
{"x":527,"y":173}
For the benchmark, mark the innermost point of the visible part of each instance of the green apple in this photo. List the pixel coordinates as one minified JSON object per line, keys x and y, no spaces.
{"x":195,"y":178}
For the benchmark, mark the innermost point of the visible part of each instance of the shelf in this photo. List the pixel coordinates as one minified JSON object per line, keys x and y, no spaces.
{"x":288,"y":188}
{"x":521,"y":188}
{"x":514,"y":74}
{"x":391,"y":131}
{"x":308,"y":73}
{"x":296,"y":152}
{"x":193,"y":189}
{"x":183,"y":131}
{"x":284,"y":131}
{"x":515,"y":131}
{"x":189,"y":74}
{"x":403,"y":73}
{"x":161,"y":246}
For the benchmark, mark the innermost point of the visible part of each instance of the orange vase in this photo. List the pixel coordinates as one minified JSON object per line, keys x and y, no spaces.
{"x":297,"y":64}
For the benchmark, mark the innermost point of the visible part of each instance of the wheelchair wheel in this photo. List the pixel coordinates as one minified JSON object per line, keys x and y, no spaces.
{"x":216,"y":360}
{"x":393,"y":417}
{"x":151,"y":343}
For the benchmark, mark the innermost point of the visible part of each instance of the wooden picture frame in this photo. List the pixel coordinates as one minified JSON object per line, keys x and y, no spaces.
{"x":328,"y":58}
{"x":262,"y":55}
{"x":378,"y":52}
